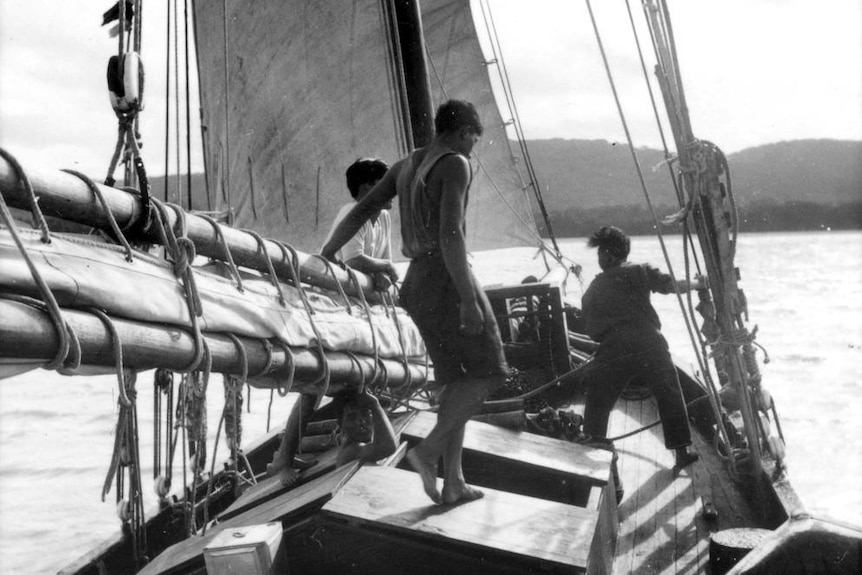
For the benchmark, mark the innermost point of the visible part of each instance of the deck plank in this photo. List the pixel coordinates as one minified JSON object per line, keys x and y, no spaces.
{"x":662,"y":528}
{"x":529,"y":448}
{"x":500,"y":523}
{"x":270,"y":487}
{"x":290,"y":504}
{"x":627,"y":418}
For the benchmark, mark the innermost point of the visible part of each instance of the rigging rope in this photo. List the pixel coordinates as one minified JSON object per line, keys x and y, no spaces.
{"x":177,"y":104}
{"x":226,"y":184}
{"x":714,"y":398}
{"x":491,"y":29}
{"x":65,"y":334}
{"x":188,"y":108}
{"x":529,"y":227}
{"x":167,"y":100}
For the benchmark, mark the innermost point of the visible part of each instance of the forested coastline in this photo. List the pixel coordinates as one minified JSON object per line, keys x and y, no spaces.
{"x":762,"y":216}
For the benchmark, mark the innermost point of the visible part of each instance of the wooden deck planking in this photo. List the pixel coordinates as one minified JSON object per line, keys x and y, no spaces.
{"x":625,"y":418}
{"x":691,"y":529}
{"x":662,"y":528}
{"x":291,"y":504}
{"x":536,"y":529}
{"x":659,"y":531}
{"x":529,"y":448}
{"x":270,"y":487}
{"x":733,"y":511}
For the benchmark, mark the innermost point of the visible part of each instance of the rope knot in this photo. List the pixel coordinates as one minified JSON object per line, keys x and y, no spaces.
{"x":184,"y":256}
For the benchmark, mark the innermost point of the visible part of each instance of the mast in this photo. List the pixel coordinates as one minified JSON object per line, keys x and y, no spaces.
{"x":705,"y":177}
{"x":409,"y":51}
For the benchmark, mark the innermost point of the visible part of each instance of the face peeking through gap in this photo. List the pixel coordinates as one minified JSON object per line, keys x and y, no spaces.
{"x":357,"y":424}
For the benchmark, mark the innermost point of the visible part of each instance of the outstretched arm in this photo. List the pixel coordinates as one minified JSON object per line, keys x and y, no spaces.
{"x":373,"y":202}
{"x":699,"y":282}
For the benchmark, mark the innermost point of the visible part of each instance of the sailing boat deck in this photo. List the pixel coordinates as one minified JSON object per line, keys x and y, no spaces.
{"x":502,"y":532}
{"x":662,"y":528}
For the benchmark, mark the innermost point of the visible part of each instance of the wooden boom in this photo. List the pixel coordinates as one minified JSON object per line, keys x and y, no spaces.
{"x":28,"y":333}
{"x":66,"y":196}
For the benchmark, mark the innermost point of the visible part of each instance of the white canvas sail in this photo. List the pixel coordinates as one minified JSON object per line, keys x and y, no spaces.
{"x":311,"y":88}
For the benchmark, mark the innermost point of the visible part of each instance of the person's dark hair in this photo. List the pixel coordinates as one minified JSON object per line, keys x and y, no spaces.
{"x":364,"y":171}
{"x":455,"y":115}
{"x":612,"y":239}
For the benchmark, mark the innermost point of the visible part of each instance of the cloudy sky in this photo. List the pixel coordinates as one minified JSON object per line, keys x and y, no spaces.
{"x":755,"y":71}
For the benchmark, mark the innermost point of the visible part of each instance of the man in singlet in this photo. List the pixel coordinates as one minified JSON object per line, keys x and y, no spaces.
{"x":440,"y":293}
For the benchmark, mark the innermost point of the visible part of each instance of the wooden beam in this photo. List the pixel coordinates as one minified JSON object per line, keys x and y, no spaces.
{"x":66,"y":196}
{"x":28,"y":333}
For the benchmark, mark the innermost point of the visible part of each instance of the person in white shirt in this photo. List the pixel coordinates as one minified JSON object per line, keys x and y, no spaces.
{"x":370,"y":249}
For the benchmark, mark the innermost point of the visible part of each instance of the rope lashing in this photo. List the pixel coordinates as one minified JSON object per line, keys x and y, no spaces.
{"x":24,"y":182}
{"x":195,"y":411}
{"x":261,"y":245}
{"x":283,"y":390}
{"x":127,"y":456}
{"x":65,"y":334}
{"x":231,"y":419}
{"x":328,"y":265}
{"x":267,"y":346}
{"x":355,"y":360}
{"x":118,"y":234}
{"x":408,"y":382}
{"x":118,"y":353}
{"x":291,"y":259}
{"x":228,"y":257}
{"x":351,"y":274}
{"x":183,"y":253}
{"x":233,"y":413}
{"x":294,"y":274}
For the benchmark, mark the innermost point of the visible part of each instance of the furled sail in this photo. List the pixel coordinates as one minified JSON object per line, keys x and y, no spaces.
{"x":309,"y":88}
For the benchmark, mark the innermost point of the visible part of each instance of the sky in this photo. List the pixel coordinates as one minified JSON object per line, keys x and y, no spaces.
{"x":755,"y":72}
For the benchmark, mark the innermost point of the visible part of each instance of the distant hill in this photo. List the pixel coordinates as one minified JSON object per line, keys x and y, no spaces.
{"x":802,"y":184}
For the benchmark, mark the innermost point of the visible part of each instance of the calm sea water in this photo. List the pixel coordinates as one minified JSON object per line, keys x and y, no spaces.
{"x":804,"y":292}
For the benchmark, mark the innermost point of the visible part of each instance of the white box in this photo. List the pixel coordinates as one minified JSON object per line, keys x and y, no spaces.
{"x":248,"y":550}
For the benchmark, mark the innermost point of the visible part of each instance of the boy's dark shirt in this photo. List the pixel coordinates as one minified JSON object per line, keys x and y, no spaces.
{"x":619,"y":300}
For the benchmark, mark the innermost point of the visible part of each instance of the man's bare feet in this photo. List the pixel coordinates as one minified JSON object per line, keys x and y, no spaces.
{"x":289,"y":476}
{"x":462,"y":493}
{"x":274,"y":468}
{"x":427,"y":470}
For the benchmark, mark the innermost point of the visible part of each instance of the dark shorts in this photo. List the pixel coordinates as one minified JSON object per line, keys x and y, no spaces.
{"x":429,"y":296}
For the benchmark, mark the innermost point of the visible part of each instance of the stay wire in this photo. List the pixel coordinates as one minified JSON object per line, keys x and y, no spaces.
{"x":188,"y":109}
{"x":528,"y":226}
{"x":645,"y":190}
{"x":516,"y":119}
